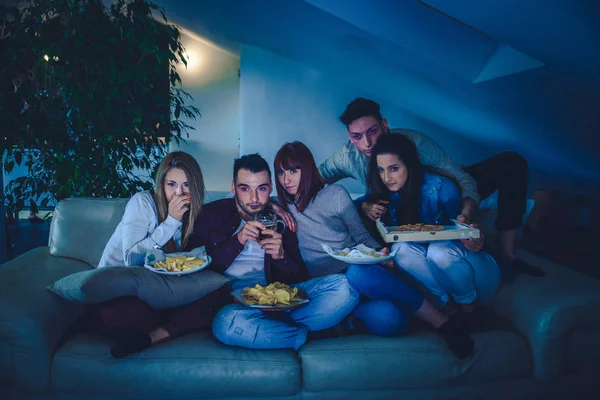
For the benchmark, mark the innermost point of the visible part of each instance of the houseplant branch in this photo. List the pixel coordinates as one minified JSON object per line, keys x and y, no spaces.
{"x":98,"y":87}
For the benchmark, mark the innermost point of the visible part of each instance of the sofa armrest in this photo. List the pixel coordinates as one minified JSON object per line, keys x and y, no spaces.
{"x":546,"y":310}
{"x":32,"y":319}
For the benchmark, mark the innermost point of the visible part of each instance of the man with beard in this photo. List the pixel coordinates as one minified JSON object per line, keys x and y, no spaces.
{"x":231,"y":235}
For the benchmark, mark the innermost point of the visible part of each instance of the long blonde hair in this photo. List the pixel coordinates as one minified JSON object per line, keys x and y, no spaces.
{"x":189,"y":165}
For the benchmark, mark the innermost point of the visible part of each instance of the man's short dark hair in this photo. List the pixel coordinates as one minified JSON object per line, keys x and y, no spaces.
{"x":252,"y":162}
{"x":359,"y":108}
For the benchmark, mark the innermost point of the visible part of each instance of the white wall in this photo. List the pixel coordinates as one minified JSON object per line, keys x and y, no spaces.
{"x":282,"y":100}
{"x":212,"y":78}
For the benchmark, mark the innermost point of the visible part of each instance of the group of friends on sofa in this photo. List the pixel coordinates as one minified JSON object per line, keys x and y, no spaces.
{"x":410,"y":179}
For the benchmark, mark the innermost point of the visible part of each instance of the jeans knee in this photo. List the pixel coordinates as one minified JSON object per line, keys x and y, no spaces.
{"x":406,"y":252}
{"x":334,"y":295}
{"x":387,"y":319}
{"x":405,"y":247}
{"x":355,"y":276}
{"x":341,"y":285}
{"x":444,"y":254}
{"x":221,"y":323}
{"x":332,"y":281}
{"x":228,"y":328}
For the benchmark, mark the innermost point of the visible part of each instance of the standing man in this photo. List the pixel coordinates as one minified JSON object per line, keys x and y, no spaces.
{"x":228,"y":230}
{"x":505,"y":172}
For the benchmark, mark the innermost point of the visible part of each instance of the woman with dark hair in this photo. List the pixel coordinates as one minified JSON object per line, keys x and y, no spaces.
{"x":326,"y":215}
{"x":164,"y":220}
{"x":451,"y":270}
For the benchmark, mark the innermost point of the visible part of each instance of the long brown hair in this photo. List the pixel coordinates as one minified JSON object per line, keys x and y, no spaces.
{"x":406,"y":151}
{"x":296,"y":155}
{"x":189,"y":165}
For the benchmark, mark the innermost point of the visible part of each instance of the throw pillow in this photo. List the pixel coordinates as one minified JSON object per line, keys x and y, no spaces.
{"x":159,"y":291}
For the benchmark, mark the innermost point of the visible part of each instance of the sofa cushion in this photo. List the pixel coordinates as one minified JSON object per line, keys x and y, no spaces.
{"x":545,"y":311}
{"x":81,"y":227}
{"x":192,"y":366}
{"x":32,"y":319}
{"x":159,"y":291}
{"x":418,"y":360}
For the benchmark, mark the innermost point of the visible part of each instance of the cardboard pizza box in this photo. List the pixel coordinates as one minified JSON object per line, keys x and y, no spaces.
{"x":450,"y":232}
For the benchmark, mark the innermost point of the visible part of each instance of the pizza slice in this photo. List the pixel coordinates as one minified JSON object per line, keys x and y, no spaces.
{"x":428,"y":228}
{"x":417,"y":228}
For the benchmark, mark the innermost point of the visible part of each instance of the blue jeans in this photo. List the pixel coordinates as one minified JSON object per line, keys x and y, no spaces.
{"x":447,"y":269}
{"x":331,"y":300}
{"x":388,"y":300}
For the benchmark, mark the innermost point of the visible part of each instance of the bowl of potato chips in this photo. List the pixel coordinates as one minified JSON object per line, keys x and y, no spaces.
{"x":177,"y":263}
{"x":272,"y":297}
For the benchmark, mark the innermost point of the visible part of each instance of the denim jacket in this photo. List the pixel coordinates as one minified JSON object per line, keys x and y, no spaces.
{"x":440,"y":201}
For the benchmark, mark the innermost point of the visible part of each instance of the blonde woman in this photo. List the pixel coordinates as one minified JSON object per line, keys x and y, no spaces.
{"x":160,"y":220}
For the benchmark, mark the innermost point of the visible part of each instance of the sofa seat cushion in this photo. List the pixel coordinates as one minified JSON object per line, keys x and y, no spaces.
{"x":419,"y":359}
{"x":32,"y":320}
{"x":192,"y":366}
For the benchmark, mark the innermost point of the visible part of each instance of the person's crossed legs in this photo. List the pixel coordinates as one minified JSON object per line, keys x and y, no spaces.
{"x":331,"y":300}
{"x":391,"y":295}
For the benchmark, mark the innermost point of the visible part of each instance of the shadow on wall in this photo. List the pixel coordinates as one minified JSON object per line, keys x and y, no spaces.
{"x":212,"y":79}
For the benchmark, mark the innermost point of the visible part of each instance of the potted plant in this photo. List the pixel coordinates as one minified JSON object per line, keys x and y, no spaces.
{"x":90,"y":97}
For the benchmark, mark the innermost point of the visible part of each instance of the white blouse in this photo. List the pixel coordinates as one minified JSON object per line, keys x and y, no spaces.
{"x":138,"y":232}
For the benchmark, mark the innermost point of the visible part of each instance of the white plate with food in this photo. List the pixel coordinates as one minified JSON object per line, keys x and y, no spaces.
{"x":359,"y":254}
{"x":177,"y":263}
{"x":272,"y":297}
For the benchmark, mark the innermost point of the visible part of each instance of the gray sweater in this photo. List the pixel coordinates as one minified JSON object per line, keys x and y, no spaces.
{"x":331,"y":218}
